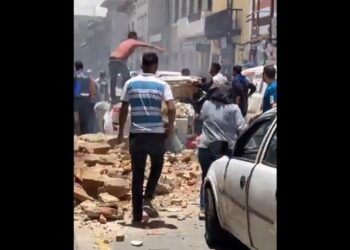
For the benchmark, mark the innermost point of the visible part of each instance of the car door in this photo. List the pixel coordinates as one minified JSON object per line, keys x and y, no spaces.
{"x":238,"y":169}
{"x":262,"y":197}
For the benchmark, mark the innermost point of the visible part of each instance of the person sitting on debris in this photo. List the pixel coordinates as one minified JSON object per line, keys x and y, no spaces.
{"x":222,"y":121}
{"x":119,"y":57}
{"x":145,"y":94}
{"x":84,"y":96}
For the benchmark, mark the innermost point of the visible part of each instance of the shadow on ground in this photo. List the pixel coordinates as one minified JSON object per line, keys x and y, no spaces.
{"x":151,"y":225}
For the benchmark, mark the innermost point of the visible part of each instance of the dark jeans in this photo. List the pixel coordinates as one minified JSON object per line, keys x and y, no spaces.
{"x":83,"y":106}
{"x":139,"y":149}
{"x":117,"y":67}
{"x":205,"y":160}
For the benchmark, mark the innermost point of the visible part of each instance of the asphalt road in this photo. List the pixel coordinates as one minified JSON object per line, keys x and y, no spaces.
{"x":161,"y":234}
{"x":168,"y":234}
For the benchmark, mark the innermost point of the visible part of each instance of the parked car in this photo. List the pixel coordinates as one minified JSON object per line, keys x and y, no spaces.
{"x":240,"y":190}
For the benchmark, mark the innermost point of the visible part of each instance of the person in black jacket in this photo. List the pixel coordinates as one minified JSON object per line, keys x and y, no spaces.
{"x":240,"y":89}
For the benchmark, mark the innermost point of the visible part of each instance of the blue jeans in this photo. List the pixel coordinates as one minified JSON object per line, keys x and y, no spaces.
{"x":205,"y":160}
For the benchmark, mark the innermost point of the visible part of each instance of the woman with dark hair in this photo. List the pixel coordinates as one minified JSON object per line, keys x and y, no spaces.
{"x":222,"y":121}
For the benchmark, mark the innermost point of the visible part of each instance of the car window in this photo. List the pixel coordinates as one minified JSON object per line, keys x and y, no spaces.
{"x":271,"y":153}
{"x":249,"y":143}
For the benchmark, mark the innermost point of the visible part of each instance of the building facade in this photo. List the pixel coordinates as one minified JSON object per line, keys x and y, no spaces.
{"x":263,"y":36}
{"x":189,"y":48}
{"x":197,"y":32}
{"x":90,"y":42}
{"x":224,"y":29}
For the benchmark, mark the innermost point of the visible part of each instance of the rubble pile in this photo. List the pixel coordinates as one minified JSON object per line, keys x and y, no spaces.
{"x":184,"y":110}
{"x":102,"y":180}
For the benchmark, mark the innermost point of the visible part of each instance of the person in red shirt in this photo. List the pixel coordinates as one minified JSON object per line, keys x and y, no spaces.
{"x":118,"y":59}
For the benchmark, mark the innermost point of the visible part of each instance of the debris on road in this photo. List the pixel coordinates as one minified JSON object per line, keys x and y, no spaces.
{"x":136,"y":243}
{"x":102,"y":188}
{"x":120,"y":237}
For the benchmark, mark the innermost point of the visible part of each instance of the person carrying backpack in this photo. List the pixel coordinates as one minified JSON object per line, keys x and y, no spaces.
{"x":242,"y":89}
{"x":84,"y":95}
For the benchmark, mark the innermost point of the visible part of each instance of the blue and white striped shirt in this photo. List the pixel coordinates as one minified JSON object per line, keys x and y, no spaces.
{"x":145,"y":94}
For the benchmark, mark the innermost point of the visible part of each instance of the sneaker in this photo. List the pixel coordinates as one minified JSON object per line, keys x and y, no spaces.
{"x":149,"y":209}
{"x":201,"y":214}
{"x":145,"y":218}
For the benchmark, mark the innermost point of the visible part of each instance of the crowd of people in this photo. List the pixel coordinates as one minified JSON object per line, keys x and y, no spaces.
{"x":222,"y":112}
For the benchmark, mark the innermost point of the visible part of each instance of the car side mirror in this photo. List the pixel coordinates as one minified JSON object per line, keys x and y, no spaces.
{"x":218,"y":148}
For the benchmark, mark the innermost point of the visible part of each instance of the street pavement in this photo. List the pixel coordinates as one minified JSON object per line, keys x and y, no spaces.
{"x":161,"y":234}
{"x":170,"y":234}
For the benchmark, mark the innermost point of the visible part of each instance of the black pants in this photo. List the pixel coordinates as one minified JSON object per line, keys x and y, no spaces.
{"x":117,"y":67}
{"x":83,"y":106}
{"x":205,"y":159}
{"x":142,"y":145}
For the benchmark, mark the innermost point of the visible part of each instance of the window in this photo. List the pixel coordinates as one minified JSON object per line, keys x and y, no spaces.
{"x":176,"y":10}
{"x":183,"y":8}
{"x":199,"y":6}
{"x":270,"y":158}
{"x":191,"y":6}
{"x":210,"y":4}
{"x":248,"y":145}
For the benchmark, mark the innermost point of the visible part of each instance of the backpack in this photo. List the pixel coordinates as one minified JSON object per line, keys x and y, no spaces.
{"x":81,"y":85}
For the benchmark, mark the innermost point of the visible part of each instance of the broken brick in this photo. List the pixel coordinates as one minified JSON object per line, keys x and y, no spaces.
{"x":92,"y":180}
{"x":80,"y":194}
{"x":102,"y":219}
{"x":117,"y":187}
{"x":120,"y":237}
{"x":106,"y":197}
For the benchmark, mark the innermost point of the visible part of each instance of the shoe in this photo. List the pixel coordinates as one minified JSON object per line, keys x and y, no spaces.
{"x":139,"y":220}
{"x":201,"y":214}
{"x":149,"y":209}
{"x":145,"y":216}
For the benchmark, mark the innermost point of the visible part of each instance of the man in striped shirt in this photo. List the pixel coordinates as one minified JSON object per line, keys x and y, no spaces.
{"x":145,"y":93}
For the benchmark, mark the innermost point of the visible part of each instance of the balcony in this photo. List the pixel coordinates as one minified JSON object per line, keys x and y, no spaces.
{"x":221,"y":24}
{"x":120,"y":5}
{"x":191,"y":26}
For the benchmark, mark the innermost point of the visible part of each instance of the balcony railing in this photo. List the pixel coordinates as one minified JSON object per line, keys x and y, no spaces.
{"x":223,"y":23}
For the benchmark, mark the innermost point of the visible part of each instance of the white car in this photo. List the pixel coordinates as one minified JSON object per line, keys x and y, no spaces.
{"x":240,"y":191}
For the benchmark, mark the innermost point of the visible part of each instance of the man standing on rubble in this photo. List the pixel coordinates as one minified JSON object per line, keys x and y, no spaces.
{"x":84,"y":95}
{"x":242,"y":89}
{"x":145,"y":94}
{"x":119,"y":57}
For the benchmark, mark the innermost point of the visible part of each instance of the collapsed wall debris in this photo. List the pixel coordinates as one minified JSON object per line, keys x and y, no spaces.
{"x":102,"y":179}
